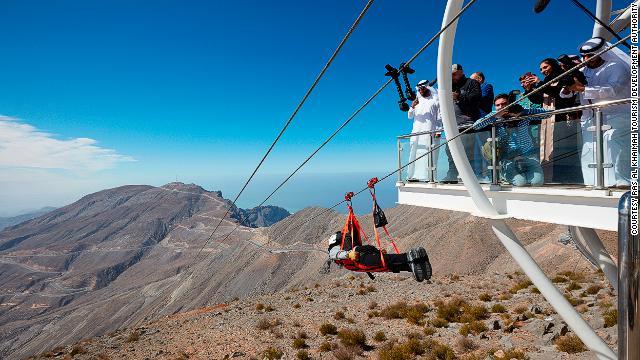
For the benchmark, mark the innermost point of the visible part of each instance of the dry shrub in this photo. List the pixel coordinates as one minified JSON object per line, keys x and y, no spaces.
{"x":372,"y":305}
{"x":610,"y":318}
{"x":429,"y":330}
{"x":77,"y":349}
{"x":393,"y":352}
{"x":534,"y":290}
{"x":303,"y":355}
{"x":604,"y":304}
{"x":325,"y":346}
{"x":512,"y":354}
{"x":593,"y":289}
{"x":297,"y":306}
{"x":379,"y":336}
{"x":439,"y":322}
{"x":450,"y":310}
{"x":299,"y":344}
{"x":498,"y":308}
{"x":134,"y":336}
{"x":438,"y":351}
{"x":352,"y":337}
{"x":573,"y":286}
{"x":346,"y":352}
{"x":268,"y":308}
{"x":464,"y":345}
{"x":573,"y":301}
{"x":339,"y":315}
{"x":414,"y":314}
{"x":570,"y":344}
{"x":474,"y":312}
{"x":301,"y":334}
{"x":277,"y":333}
{"x":574,"y":276}
{"x":458,"y":310}
{"x":372,"y":314}
{"x":259,"y":306}
{"x":396,"y":351}
{"x":455,"y":277}
{"x":484,"y":297}
{"x":505,"y":296}
{"x":272,"y":353}
{"x":559,"y":279}
{"x":520,"y":309}
{"x":473,"y":327}
{"x":266,"y":324}
{"x":520,"y":285}
{"x":328,"y":329}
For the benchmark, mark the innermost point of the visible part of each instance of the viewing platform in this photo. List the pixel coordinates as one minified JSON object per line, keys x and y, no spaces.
{"x":560,"y":192}
{"x":557,"y":204}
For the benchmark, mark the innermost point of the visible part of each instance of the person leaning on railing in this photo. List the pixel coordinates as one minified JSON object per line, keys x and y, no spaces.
{"x":608,"y":78}
{"x":518,"y":156}
{"x":559,"y":134}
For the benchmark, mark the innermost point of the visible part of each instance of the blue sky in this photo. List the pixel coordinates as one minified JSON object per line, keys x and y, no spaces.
{"x":199,"y":89}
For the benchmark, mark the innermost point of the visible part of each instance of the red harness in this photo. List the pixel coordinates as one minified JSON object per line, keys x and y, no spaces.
{"x":353,"y":228}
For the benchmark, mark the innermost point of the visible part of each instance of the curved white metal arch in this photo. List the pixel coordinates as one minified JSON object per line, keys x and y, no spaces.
{"x":603,"y":12}
{"x":484,"y":206}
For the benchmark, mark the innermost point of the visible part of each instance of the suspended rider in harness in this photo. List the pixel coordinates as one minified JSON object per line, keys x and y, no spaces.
{"x":346,"y":248}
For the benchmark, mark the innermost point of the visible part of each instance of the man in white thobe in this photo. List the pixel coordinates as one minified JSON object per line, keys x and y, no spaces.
{"x":609,"y":78}
{"x":425,"y":112}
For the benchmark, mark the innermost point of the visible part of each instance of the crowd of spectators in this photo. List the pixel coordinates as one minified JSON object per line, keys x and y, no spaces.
{"x":535,"y":150}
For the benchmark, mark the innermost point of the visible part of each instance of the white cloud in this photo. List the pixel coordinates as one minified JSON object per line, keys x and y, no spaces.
{"x":22,"y":145}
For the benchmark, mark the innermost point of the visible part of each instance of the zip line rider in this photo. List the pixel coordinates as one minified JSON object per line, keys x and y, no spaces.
{"x":347,"y":250}
{"x":415,"y":261}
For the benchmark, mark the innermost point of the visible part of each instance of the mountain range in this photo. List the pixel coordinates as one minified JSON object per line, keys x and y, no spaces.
{"x":123,"y":257}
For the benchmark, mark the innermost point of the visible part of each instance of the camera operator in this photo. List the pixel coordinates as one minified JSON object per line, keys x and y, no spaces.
{"x":518,"y":158}
{"x":560,"y":139}
{"x":609,"y":78}
{"x":466,"y":102}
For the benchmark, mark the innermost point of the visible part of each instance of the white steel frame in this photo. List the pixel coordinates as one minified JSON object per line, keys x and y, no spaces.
{"x":484,"y":207}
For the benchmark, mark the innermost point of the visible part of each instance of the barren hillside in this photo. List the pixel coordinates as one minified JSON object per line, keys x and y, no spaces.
{"x":133,"y":262}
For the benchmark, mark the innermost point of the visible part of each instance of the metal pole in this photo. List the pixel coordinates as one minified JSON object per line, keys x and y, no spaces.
{"x":628,"y":284}
{"x":599,"y":151}
{"x":603,"y":12}
{"x":430,"y":166}
{"x":399,"y":160}
{"x":494,"y":157}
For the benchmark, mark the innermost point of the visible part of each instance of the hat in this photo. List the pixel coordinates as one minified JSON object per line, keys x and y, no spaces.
{"x":456,"y":67}
{"x":335,"y":238}
{"x":592,"y":46}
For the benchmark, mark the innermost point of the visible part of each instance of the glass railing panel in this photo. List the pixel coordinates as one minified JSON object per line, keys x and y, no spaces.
{"x":474,"y":145}
{"x":559,"y":148}
{"x":415,"y":153}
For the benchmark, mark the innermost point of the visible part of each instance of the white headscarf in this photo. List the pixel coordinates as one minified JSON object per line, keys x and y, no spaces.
{"x":611,"y":80}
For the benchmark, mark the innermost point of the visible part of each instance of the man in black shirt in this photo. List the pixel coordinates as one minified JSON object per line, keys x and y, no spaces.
{"x":466,"y":101}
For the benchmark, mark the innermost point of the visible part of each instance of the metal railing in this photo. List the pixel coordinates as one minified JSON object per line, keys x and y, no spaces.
{"x":599,"y":128}
{"x":628,"y":281}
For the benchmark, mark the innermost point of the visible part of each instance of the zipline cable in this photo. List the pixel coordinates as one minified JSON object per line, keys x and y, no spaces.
{"x":576,"y":67}
{"x":366,"y":103}
{"x":295,"y":112}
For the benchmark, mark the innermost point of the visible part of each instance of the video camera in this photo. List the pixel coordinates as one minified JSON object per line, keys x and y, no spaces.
{"x":567,"y":63}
